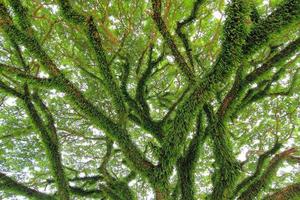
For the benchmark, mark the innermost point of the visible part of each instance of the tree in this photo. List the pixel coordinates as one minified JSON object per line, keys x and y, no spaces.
{"x":128,"y":99}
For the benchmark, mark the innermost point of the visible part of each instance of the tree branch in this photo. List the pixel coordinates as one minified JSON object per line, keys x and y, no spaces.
{"x":144,"y":120}
{"x":10,"y":90}
{"x":238,"y":90}
{"x":49,"y":139}
{"x":187,"y":163}
{"x":162,"y":27}
{"x":96,"y":43}
{"x":8,"y":184}
{"x":259,"y":168}
{"x":184,"y":23}
{"x":264,"y":180}
{"x":177,"y":130}
{"x":287,"y":13}
{"x":290,"y":192}
{"x":77,"y":99}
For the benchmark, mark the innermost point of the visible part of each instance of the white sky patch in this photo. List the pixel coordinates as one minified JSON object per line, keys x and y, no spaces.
{"x":10,"y":101}
{"x":217,"y":14}
{"x":37,"y":168}
{"x":96,"y":132}
{"x":43,"y":75}
{"x":159,"y":42}
{"x":254,"y":85}
{"x":54,"y":93}
{"x":81,"y":174}
{"x":170,"y":59}
{"x":243,"y":154}
{"x":113,"y":19}
{"x":54,"y":8}
{"x":132,"y":183}
{"x":284,"y":170}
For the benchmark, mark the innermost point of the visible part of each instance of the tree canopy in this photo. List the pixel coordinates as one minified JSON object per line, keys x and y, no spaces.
{"x":154,"y":99}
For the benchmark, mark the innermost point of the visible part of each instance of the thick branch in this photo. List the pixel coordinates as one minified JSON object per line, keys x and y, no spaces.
{"x":264,"y":180}
{"x":29,"y":41}
{"x":239,"y":88}
{"x":77,"y":99}
{"x":259,"y":168}
{"x":276,"y":60}
{"x":162,"y":27}
{"x":21,"y":14}
{"x":290,"y":192}
{"x":87,"y":193}
{"x":49,"y":139}
{"x":227,"y":168}
{"x":287,"y":13}
{"x":184,"y":23}
{"x":185,"y":114}
{"x":10,"y":185}
{"x":187,"y":163}
{"x":96,"y":43}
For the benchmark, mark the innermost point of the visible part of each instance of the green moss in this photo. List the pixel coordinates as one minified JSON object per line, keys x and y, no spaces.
{"x":186,"y":165}
{"x":264,"y":181}
{"x":69,"y":13}
{"x":51,"y":148}
{"x":21,"y":14}
{"x":227,"y":168}
{"x":284,"y":15}
{"x":94,"y":39}
{"x":29,"y":41}
{"x":259,"y":168}
{"x":8,"y":184}
{"x":291,"y":192}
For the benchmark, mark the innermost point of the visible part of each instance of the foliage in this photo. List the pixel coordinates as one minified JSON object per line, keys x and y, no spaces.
{"x":149,"y":99}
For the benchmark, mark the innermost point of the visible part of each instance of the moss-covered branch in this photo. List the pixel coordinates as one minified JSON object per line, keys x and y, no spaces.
{"x":227,"y":168}
{"x":94,"y":193}
{"x":259,"y":168}
{"x":49,"y":120}
{"x":77,"y":99}
{"x":184,"y":23}
{"x":10,"y":185}
{"x":49,"y":139}
{"x":239,"y":89}
{"x":263,"y":182}
{"x":234,"y":35}
{"x":187,"y":163}
{"x":116,"y":187}
{"x":143,"y":119}
{"x":254,"y":15}
{"x":286,"y":14}
{"x":28,"y":40}
{"x":287,"y":193}
{"x":162,"y":27}
{"x":115,"y":132}
{"x":11,"y":91}
{"x":290,"y":90}
{"x":141,"y":86}
{"x":276,"y":60}
{"x":167,"y":116}
{"x":263,"y":89}
{"x":21,"y":14}
{"x":90,"y":27}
